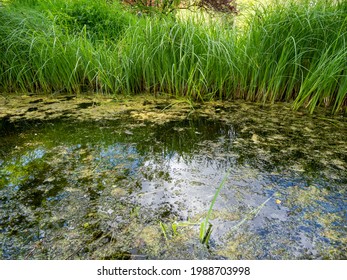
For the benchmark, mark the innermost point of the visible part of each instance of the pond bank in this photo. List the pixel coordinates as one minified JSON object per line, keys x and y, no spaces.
{"x":145,"y":107}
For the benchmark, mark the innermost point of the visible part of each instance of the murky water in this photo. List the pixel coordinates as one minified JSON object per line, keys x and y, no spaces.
{"x":106,"y":188}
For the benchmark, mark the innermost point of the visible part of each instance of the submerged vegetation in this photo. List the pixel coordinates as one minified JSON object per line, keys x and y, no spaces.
{"x":141,"y":129}
{"x":293,"y":51}
{"x":94,"y":177}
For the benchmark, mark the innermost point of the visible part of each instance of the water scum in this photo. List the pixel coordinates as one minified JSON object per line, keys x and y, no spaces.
{"x":94,"y":177}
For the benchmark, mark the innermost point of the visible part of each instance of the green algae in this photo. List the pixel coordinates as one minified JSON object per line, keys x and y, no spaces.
{"x":94,"y":181}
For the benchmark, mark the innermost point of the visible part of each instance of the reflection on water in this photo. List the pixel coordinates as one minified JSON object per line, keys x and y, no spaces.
{"x":99,"y":190}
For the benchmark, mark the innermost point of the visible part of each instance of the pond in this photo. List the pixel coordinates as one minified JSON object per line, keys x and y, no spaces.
{"x":102,"y":178}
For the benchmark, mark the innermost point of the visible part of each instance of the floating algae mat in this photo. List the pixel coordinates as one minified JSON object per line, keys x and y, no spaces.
{"x":100,"y":178}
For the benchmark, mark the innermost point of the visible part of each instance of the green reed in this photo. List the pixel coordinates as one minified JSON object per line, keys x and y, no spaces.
{"x":299,"y":52}
{"x":206,"y":226}
{"x":293,"y":51}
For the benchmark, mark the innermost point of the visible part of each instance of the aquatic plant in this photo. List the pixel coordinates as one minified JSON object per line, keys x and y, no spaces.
{"x":292,"y":51}
{"x":206,"y":226}
{"x":40,"y":52}
{"x":172,"y":229}
{"x":295,"y":51}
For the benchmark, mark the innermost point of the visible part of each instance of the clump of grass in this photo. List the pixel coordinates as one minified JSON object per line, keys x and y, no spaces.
{"x":180,"y":58}
{"x":101,"y":20}
{"x":36,"y":56}
{"x":293,"y":51}
{"x":41,"y":54}
{"x":290,"y":52}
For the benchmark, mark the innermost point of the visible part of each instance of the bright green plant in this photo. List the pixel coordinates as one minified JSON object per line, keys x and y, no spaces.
{"x":172,"y":230}
{"x":206,"y":226}
{"x":292,"y":51}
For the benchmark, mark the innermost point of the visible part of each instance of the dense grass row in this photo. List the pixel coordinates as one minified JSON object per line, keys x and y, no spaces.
{"x":294,"y":52}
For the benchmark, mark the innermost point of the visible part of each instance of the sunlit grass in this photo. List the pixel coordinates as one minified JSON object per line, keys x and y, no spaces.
{"x":41,"y":54}
{"x":292,"y":51}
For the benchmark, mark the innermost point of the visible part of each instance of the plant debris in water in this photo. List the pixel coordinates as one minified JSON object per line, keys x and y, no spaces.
{"x":98,"y":178}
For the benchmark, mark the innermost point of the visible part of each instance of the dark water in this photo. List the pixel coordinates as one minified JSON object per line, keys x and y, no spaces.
{"x":106,"y":189}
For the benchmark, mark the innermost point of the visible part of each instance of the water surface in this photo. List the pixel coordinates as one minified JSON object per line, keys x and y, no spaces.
{"x":104,"y":188}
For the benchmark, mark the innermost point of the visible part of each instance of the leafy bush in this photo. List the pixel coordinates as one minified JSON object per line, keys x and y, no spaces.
{"x":170,"y":6}
{"x":224,"y":6}
{"x":98,"y":19}
{"x":101,"y":20}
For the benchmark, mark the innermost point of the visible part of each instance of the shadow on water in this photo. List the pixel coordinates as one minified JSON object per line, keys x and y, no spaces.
{"x":101,"y":189}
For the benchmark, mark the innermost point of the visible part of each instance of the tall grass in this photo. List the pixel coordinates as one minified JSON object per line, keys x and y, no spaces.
{"x":294,"y":51}
{"x":40,"y":51}
{"x":298,"y":52}
{"x":167,"y":56}
{"x":36,"y":57}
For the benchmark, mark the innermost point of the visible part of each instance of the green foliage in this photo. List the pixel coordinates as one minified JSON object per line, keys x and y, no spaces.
{"x":206,"y":226}
{"x":295,"y":51}
{"x":165,"y":56}
{"x":37,"y":54}
{"x":154,"y":7}
{"x":100,"y":20}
